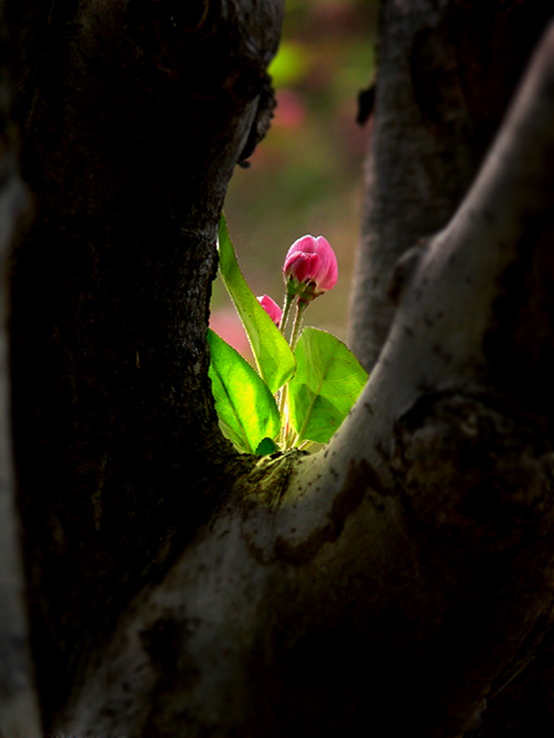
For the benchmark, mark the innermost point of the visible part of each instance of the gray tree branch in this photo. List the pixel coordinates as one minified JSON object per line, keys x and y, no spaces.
{"x":446,"y":74}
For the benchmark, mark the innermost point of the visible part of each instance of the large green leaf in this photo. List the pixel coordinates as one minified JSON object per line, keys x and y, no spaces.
{"x":327,"y":382}
{"x":273,"y":356}
{"x":245,"y":407}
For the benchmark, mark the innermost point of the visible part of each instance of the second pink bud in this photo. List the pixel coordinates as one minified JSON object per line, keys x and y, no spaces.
{"x":271,"y":308}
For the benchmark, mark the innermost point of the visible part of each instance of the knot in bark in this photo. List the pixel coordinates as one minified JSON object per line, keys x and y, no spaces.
{"x":472,"y":470}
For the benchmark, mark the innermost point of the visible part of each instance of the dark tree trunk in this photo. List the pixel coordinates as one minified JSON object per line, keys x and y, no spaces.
{"x":18,"y":705}
{"x":133,"y":116}
{"x":391,"y":584}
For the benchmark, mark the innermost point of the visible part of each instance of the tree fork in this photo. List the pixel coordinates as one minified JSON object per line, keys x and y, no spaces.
{"x":418,"y":536}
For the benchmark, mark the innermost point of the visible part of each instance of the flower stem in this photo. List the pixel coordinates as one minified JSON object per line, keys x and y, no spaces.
{"x":287,"y":436}
{"x":298,"y":320}
{"x":289,"y":299}
{"x":284,"y":413}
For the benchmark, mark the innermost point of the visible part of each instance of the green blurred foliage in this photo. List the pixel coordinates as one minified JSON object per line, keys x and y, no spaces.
{"x":307,"y":175}
{"x":289,"y":66}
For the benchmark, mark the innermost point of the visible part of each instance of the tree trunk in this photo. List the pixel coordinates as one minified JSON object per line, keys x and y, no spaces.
{"x":394,"y":582}
{"x":133,"y":116}
{"x":19,"y":714}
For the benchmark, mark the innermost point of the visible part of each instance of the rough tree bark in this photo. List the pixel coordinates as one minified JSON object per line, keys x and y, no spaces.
{"x":392,"y":583}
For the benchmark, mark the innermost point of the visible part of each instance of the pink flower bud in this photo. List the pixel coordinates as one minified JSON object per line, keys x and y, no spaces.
{"x":310,"y":268}
{"x":271,"y":308}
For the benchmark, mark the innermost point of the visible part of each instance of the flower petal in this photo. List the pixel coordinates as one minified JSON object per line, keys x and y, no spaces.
{"x":311,"y":260}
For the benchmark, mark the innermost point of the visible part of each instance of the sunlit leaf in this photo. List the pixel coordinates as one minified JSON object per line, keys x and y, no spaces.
{"x":274,"y":359}
{"x":327,"y":382}
{"x":245,"y":407}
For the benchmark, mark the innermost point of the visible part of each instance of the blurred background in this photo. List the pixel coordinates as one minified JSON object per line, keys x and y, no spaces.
{"x":307,"y":174}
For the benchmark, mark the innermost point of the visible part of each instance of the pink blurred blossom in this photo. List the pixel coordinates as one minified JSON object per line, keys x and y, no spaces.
{"x":271,"y":308}
{"x":291,"y":109}
{"x":310,"y":267}
{"x":226,"y":323}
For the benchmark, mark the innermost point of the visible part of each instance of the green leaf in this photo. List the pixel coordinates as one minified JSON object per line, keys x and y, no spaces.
{"x":266,"y":446}
{"x":245,"y":407}
{"x":273,"y":356}
{"x":327,"y":383}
